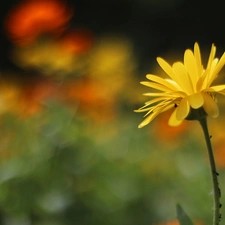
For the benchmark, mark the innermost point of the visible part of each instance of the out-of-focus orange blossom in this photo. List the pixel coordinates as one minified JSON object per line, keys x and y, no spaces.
{"x":90,"y":98}
{"x":32,"y":18}
{"x":25,"y":98}
{"x":33,"y":95}
{"x":168,"y":133}
{"x":78,"y":41}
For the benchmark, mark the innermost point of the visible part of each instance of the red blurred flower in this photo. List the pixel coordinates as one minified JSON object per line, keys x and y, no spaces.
{"x":92,"y":99}
{"x":33,"y":95}
{"x":77,"y":41}
{"x":32,"y":18}
{"x":166,"y":132}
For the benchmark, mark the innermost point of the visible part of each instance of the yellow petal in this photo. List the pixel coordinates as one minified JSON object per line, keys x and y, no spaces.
{"x":197,"y":54}
{"x":162,"y":81}
{"x":217,"y":69}
{"x":156,"y":86}
{"x":148,"y":119}
{"x":220,"y":64}
{"x":216,"y":88}
{"x":210,"y":106}
{"x":159,"y":94}
{"x":155,"y":100}
{"x":196,"y":100}
{"x":190,"y":64}
{"x":212,"y":74}
{"x":173,"y":121}
{"x":183,"y":109}
{"x":167,"y":68}
{"x":182,"y":73}
{"x":211,"y":56}
{"x":155,"y":112}
{"x":202,"y":82}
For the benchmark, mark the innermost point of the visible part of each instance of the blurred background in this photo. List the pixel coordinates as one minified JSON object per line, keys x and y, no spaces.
{"x":70,"y":149}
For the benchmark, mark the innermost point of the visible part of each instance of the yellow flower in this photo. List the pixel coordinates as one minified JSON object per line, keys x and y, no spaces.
{"x":188,"y":87}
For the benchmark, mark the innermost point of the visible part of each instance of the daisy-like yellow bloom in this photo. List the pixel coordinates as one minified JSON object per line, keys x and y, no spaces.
{"x":189,"y":86}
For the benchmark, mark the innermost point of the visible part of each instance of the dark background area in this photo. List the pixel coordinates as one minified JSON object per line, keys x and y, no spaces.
{"x":153,"y":26}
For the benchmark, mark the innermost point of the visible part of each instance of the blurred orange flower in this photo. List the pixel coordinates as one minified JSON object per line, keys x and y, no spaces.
{"x":32,"y":18}
{"x":91,"y":99}
{"x":166,"y":132}
{"x":33,"y":95}
{"x":77,"y":41}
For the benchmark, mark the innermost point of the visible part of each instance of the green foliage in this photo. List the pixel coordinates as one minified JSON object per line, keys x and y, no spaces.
{"x":60,"y":168}
{"x":182,"y":216}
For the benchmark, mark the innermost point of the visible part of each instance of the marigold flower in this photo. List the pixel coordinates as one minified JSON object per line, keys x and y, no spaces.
{"x":32,"y":18}
{"x":189,"y":87}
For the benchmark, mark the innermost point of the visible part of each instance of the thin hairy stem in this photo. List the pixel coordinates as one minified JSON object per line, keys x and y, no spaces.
{"x":214,"y":173}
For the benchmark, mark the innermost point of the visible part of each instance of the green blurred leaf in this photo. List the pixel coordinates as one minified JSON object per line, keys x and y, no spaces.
{"x":182,"y":216}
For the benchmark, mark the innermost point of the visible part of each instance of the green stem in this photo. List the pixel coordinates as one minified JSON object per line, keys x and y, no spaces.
{"x":216,"y":189}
